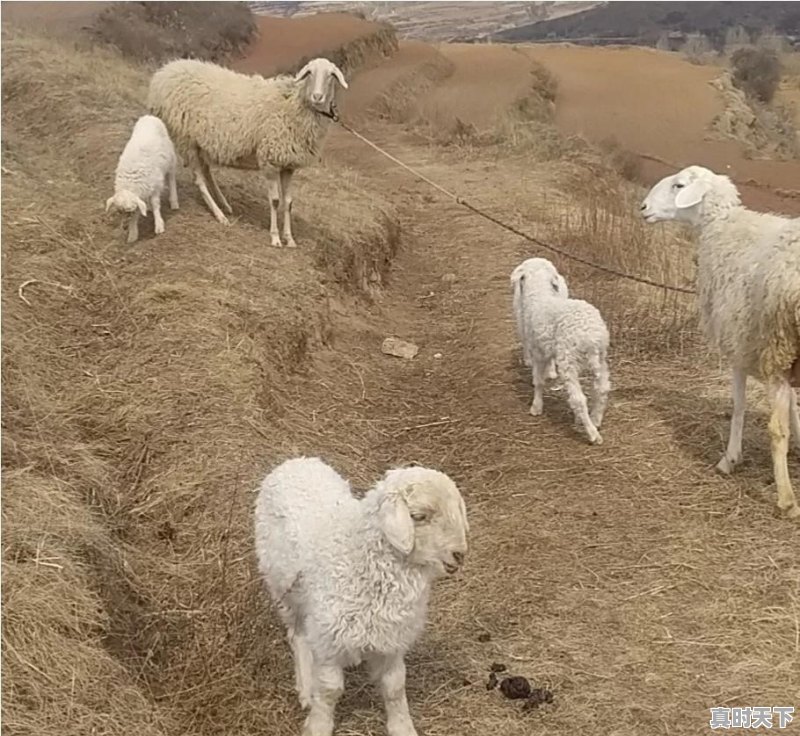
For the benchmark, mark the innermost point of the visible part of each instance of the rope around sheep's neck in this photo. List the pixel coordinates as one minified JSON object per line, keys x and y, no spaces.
{"x":333,"y":114}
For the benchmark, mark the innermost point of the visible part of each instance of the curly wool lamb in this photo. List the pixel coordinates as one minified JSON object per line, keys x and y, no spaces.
{"x":351,"y":578}
{"x":147,"y":160}
{"x":561,"y":338}
{"x":748,"y":289}
{"x":219,"y":117}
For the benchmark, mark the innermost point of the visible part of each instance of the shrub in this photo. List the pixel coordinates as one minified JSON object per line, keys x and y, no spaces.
{"x":757,"y":72}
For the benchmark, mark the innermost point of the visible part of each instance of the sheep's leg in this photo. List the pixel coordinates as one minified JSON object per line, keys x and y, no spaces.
{"x":601,"y":385}
{"x":326,"y":689}
{"x":286,"y":195}
{"x":173,"y":189}
{"x":303,"y":664}
{"x":781,"y":395}
{"x":133,"y":227}
{"x":199,"y":179}
{"x":795,"y":420}
{"x":274,"y":203}
{"x":537,"y":378}
{"x":578,"y":404}
{"x":733,"y":455}
{"x":155,"y":204}
{"x":390,"y":673}
{"x":215,"y":190}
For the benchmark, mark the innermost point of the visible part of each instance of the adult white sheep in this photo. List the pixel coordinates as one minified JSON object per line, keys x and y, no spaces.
{"x":147,"y":160}
{"x":561,"y":338}
{"x":220,"y":117}
{"x":351,"y":578}
{"x":748,"y":286}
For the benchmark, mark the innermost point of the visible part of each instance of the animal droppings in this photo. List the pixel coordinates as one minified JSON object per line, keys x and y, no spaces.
{"x":516,"y":687}
{"x":498,"y":667}
{"x":539,"y":696}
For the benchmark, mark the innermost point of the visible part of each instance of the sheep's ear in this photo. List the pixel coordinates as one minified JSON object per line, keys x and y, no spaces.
{"x":339,"y":76}
{"x":109,"y":202}
{"x":142,"y":207}
{"x":692,"y":194}
{"x":396,"y":524}
{"x":302,"y":73}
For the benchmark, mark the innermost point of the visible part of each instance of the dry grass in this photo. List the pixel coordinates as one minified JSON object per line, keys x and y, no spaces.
{"x":142,"y":393}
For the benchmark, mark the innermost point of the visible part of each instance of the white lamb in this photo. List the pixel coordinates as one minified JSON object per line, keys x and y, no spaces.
{"x":351,"y":578}
{"x":219,"y":117}
{"x":748,"y":289}
{"x":561,"y":337}
{"x":146,"y":161}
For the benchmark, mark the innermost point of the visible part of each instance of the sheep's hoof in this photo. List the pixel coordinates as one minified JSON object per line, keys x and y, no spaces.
{"x":159,"y":229}
{"x":290,"y":243}
{"x":597,"y":439}
{"x":536,"y":411}
{"x":726,"y":465}
{"x":275,"y":241}
{"x":222,"y":220}
{"x":132,"y":238}
{"x":173,"y":205}
{"x":793,"y":513}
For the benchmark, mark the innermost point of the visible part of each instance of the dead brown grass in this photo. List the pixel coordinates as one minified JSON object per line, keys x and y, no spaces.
{"x":143,"y":389}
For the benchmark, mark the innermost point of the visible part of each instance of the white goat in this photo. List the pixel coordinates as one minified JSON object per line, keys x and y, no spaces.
{"x":146,"y":161}
{"x":561,"y":337}
{"x":748,"y":288}
{"x":220,"y":117}
{"x":351,"y":578}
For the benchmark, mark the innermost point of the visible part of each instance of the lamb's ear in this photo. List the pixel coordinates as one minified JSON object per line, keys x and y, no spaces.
{"x":142,"y":206}
{"x":395,"y":522}
{"x":339,"y":76}
{"x":302,"y":73}
{"x":692,"y":194}
{"x":109,"y":202}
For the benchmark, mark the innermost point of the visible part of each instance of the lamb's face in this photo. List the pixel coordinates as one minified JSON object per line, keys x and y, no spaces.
{"x":423,"y":515}
{"x":680,"y":196}
{"x":126,"y":202}
{"x":320,"y":77}
{"x":539,"y":276}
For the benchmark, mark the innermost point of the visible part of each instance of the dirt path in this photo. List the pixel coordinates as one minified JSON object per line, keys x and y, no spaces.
{"x":656,"y":104}
{"x":628,"y":577}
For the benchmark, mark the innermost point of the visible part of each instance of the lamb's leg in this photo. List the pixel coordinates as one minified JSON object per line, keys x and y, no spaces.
{"x":326,"y":689}
{"x":733,"y":455}
{"x":601,"y":385}
{"x":274,"y":203}
{"x":173,"y":189}
{"x":215,"y":190}
{"x":199,"y":179}
{"x":577,"y":402}
{"x":155,"y":204}
{"x":781,"y":395}
{"x":537,"y":378}
{"x":795,"y":420}
{"x":286,"y":192}
{"x":133,"y":227}
{"x":390,"y":673}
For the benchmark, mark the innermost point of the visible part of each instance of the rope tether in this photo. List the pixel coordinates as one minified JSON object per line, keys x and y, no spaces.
{"x":511,"y":228}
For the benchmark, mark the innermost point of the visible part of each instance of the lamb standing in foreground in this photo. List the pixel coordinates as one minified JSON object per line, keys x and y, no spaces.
{"x":351,"y":578}
{"x":748,"y":290}
{"x":560,"y":338}
{"x":146,"y":161}
{"x":219,"y":117}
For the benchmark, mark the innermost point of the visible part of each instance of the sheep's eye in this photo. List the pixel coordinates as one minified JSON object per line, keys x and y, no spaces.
{"x":678,"y":185}
{"x":419,"y":516}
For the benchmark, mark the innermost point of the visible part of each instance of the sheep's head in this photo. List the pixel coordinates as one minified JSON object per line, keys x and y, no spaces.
{"x":319,"y":76}
{"x":422,"y":515}
{"x":682,"y":195}
{"x":126,"y":202}
{"x":538,"y":276}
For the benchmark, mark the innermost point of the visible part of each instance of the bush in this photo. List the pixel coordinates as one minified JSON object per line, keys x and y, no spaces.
{"x":757,"y":72}
{"x":160,"y":31}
